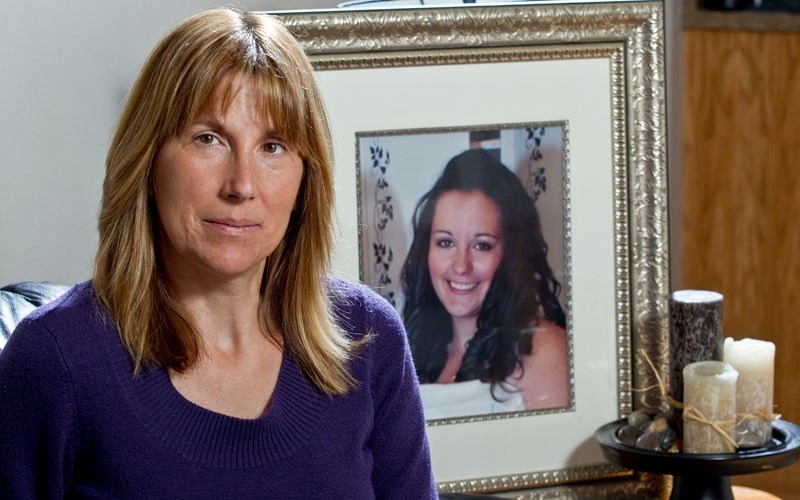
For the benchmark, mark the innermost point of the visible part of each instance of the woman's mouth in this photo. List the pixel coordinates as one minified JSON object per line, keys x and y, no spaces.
{"x":232,"y":226}
{"x":462,"y":287}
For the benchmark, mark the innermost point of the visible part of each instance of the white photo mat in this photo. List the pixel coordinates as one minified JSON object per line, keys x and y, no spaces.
{"x":451,"y":95}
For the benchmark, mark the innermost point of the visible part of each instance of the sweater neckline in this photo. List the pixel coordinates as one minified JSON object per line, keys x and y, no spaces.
{"x":213,"y":439}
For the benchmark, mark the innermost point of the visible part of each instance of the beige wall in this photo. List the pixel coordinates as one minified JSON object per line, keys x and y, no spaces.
{"x":66,"y":67}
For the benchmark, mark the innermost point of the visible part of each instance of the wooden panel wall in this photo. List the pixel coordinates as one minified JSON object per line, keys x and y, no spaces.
{"x":740,"y":221}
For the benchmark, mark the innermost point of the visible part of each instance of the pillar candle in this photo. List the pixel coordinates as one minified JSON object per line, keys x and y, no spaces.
{"x":695,"y":333}
{"x":755,"y":361}
{"x":709,"y":410}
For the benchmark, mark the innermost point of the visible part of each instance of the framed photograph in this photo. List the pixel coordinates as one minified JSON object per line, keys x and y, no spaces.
{"x":409,"y":92}
{"x":397,"y":173}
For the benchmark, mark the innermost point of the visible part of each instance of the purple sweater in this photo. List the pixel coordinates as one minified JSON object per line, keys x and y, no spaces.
{"x":75,"y":424}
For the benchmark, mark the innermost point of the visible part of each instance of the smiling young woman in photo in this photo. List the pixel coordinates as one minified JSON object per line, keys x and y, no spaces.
{"x":481,"y":302}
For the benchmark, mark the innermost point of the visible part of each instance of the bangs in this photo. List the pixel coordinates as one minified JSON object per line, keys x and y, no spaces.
{"x":213,"y":74}
{"x":276,"y":102}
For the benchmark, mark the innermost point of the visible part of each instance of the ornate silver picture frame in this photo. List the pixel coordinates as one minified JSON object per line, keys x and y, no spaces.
{"x":598,"y":67}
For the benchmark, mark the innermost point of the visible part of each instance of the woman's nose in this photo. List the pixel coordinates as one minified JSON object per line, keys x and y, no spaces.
{"x":239,"y":181}
{"x":462,"y":262}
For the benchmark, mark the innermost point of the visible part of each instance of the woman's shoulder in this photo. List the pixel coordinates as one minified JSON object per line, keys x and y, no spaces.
{"x":548,"y":345}
{"x":545,"y":374}
{"x":549,"y":341}
{"x":353,"y":299}
{"x":71,"y":307}
{"x":66,"y":320}
{"x":547,"y":332}
{"x":61,"y":333}
{"x":362,"y":311}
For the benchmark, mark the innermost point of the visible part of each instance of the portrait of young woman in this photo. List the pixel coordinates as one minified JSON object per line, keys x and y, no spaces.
{"x":480,"y":300}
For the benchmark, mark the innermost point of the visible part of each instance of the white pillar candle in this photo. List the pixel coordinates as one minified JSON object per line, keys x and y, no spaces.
{"x":709,"y":411}
{"x":755,"y":362}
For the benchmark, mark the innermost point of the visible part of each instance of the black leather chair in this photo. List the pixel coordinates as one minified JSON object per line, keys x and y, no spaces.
{"x":19,"y":299}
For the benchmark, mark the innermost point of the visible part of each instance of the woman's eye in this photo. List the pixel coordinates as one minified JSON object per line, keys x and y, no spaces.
{"x":445,"y":243}
{"x":207,"y":139}
{"x":274,"y":147}
{"x":483,"y":246}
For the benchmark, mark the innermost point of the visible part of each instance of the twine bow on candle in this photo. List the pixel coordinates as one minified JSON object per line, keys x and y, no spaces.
{"x":692,"y":414}
{"x":759,"y":414}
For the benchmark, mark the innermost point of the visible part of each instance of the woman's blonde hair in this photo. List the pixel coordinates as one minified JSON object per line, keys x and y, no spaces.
{"x":221,"y":48}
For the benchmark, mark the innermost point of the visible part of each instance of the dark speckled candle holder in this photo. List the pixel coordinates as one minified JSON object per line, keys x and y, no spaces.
{"x":695,"y":333}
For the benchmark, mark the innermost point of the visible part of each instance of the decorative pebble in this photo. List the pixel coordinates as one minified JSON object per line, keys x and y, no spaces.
{"x":672,"y":415}
{"x":657,"y":441}
{"x":658,"y":424}
{"x":668,"y":438}
{"x":659,"y":432}
{"x":628,"y":434}
{"x":639,"y":419}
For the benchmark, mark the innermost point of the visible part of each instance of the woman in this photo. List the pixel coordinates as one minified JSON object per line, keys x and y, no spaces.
{"x":481,"y":300}
{"x":207,"y":359}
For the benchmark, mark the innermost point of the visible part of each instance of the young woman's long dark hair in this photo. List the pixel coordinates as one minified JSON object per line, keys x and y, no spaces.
{"x":523,"y":290}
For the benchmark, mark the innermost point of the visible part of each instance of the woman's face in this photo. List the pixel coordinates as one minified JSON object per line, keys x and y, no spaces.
{"x":465,"y":249}
{"x":224,"y":189}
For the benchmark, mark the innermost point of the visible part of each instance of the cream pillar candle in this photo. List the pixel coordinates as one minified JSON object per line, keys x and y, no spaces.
{"x":709,"y":407}
{"x":755,"y":362}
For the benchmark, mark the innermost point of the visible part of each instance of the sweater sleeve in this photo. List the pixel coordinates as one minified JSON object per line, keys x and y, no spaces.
{"x":399,"y":445}
{"x":37,"y":416}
